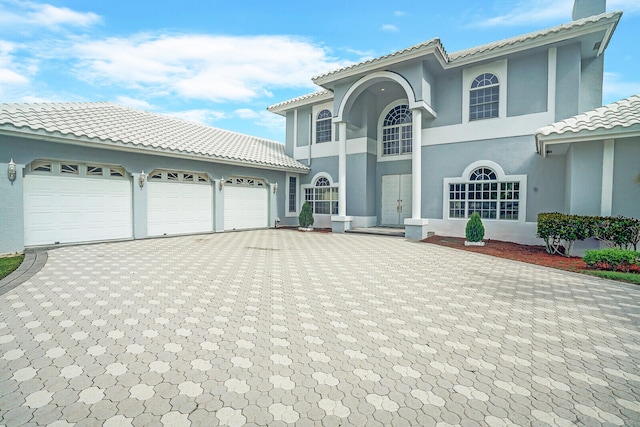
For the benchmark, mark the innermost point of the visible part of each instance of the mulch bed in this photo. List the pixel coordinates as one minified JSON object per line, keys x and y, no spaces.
{"x":525,"y":253}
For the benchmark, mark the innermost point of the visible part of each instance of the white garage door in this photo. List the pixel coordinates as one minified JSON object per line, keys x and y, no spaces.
{"x":245,"y":204}
{"x":179,"y":208}
{"x":69,"y":209}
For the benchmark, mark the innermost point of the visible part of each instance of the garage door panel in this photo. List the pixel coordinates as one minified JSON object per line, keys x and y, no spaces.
{"x":177,"y":208}
{"x":245,"y":207}
{"x":75,"y":209}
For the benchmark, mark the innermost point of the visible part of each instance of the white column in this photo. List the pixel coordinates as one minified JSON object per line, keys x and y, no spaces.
{"x":606,"y":199}
{"x":342,"y":169}
{"x":416,"y":165}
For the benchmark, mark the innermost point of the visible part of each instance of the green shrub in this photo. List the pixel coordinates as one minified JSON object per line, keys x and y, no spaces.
{"x":475,"y":230}
{"x":611,"y":259}
{"x":305,"y":219}
{"x":620,"y":232}
{"x":560,"y":231}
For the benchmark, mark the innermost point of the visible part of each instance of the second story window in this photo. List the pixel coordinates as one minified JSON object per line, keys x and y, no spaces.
{"x":397,"y":131}
{"x":484,"y":97}
{"x":323,"y":126}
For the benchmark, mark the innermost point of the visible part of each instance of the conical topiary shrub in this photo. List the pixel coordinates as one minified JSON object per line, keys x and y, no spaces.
{"x":475,"y":230}
{"x":305,"y":219}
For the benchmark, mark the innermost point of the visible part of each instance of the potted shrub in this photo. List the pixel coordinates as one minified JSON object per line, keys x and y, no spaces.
{"x":305,"y":219}
{"x":474,"y":231}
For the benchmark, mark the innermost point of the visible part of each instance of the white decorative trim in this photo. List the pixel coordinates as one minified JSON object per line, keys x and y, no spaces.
{"x":551,"y":80}
{"x":606,"y":201}
{"x":501,"y":177}
{"x":497,"y":68}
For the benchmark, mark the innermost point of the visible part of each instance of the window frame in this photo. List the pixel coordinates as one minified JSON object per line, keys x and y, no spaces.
{"x":311,"y":189}
{"x":296,"y":212}
{"x":315,"y":112}
{"x":461,"y":190}
{"x":490,"y":89}
{"x":381,"y":119}
{"x":499,"y":70}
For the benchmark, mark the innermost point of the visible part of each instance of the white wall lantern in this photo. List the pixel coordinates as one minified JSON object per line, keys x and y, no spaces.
{"x":221,"y":183}
{"x":141,"y":179}
{"x":12,"y":171}
{"x":275,"y":188}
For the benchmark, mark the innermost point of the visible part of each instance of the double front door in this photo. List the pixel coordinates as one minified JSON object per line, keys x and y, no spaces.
{"x":396,"y":199}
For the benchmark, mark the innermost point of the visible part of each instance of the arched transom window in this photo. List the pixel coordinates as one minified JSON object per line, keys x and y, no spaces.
{"x":485,"y":194}
{"x":396,"y":131}
{"x":323,"y":197}
{"x":484,"y":97}
{"x":323,"y":126}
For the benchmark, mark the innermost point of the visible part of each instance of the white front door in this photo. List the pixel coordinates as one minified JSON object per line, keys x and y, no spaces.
{"x":396,"y":199}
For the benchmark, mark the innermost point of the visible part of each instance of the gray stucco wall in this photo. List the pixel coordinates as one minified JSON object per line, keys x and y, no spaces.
{"x":304,"y":131}
{"x":24,"y":151}
{"x":527,"y":79}
{"x":592,"y":73}
{"x":328,"y":165}
{"x":626,"y":191}
{"x":288,"y":149}
{"x":586,"y":178}
{"x":11,"y":215}
{"x":361,"y":188}
{"x":447,"y":99}
{"x":545,"y":176}
{"x":567,"y":81}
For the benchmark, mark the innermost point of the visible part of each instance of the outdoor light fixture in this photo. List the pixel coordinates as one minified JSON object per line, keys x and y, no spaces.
{"x":275,"y":188}
{"x":221,"y":183}
{"x":11,"y":171}
{"x":142,"y":178}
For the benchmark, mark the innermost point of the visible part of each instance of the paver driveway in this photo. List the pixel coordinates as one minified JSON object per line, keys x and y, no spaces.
{"x":275,"y":327}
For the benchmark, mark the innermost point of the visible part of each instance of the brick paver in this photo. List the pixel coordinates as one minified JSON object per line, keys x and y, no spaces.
{"x":280,"y":327}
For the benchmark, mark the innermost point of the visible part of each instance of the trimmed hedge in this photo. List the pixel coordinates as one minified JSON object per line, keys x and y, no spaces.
{"x":611,"y":259}
{"x":560,"y":231}
{"x":474,"y":230}
{"x":305,"y":219}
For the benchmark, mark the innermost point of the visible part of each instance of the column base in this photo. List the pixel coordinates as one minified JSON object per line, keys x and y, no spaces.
{"x":340,"y":224}
{"x":416,"y":228}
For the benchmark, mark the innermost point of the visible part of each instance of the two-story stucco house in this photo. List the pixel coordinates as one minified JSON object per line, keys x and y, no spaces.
{"x":422,"y":138}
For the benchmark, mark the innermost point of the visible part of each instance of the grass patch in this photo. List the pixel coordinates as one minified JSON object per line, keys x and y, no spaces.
{"x":8,"y":264}
{"x":615,"y":275}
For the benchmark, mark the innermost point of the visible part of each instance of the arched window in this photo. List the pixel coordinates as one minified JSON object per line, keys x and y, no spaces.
{"x":483,"y":192}
{"x":397,"y":131}
{"x":322,"y":196}
{"x":484,"y":97}
{"x":323,"y":126}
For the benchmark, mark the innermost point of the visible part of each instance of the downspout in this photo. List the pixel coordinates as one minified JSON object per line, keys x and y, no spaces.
{"x":310,"y":139}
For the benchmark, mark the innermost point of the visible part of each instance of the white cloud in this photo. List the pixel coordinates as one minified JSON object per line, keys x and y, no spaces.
{"x":25,"y":13}
{"x":203,"y":116}
{"x":525,"y":12}
{"x":614,"y":88}
{"x":11,"y":73}
{"x":246,"y":113}
{"x":134,"y":103}
{"x":213,"y":68}
{"x":399,"y":13}
{"x":390,"y":28}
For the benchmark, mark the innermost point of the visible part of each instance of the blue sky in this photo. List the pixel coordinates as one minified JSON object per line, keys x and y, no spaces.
{"x":223,"y":62}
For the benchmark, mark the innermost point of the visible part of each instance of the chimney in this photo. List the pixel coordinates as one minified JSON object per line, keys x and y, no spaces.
{"x":586,"y":8}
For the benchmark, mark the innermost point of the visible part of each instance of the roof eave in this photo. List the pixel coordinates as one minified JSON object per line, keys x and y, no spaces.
{"x":543,"y":140}
{"x":379,"y":64}
{"x":283,"y":107}
{"x":608,"y":25}
{"x":120,"y":146}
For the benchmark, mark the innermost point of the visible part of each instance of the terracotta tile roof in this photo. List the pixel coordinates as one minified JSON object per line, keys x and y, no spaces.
{"x":115,"y":125}
{"x":620,"y":115}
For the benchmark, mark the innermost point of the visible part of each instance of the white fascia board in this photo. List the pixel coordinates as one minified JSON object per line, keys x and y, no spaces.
{"x":116,"y":146}
{"x":282,"y":109}
{"x":584,"y":137}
